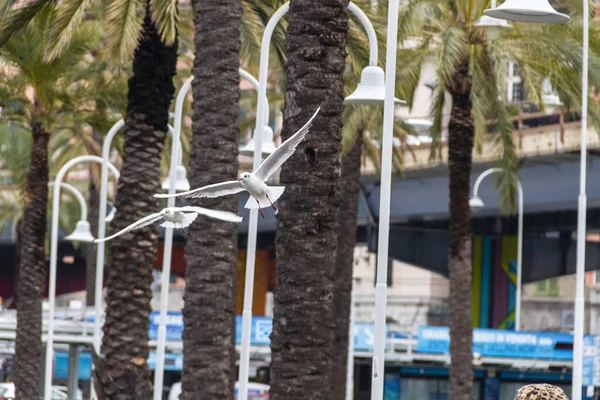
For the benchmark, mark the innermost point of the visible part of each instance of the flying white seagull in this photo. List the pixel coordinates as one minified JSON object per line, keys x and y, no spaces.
{"x":176,"y":217}
{"x":261,"y":195}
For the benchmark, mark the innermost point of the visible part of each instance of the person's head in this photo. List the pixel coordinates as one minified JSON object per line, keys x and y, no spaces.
{"x":541,"y":391}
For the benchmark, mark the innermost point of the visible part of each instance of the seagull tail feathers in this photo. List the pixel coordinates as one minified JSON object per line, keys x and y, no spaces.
{"x":274,"y":194}
{"x":188,"y":218}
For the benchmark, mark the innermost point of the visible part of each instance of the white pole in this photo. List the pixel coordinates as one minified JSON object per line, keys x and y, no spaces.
{"x":168,"y":242}
{"x":98,"y":303}
{"x":101,"y":234}
{"x":53,"y":266}
{"x":384,"y":204}
{"x":577,"y":384}
{"x":478,"y":181}
{"x":261,"y":119}
{"x":350,"y":366}
{"x":519,"y":261}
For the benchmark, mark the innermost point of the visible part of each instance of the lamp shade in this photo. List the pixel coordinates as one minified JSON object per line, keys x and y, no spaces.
{"x":539,"y":11}
{"x":267,"y":145}
{"x":371,"y":89}
{"x":475,"y":203}
{"x":181,"y":183}
{"x":551,"y":102}
{"x":82,"y":233}
{"x":493,"y":27}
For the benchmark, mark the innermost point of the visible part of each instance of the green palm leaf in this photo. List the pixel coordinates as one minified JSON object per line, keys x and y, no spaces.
{"x":123,"y":26}
{"x":164,"y":14}
{"x":67,"y":16}
{"x":14,"y":16}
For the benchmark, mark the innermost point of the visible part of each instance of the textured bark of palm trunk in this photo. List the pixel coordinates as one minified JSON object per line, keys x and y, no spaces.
{"x":344,"y":264}
{"x":460,"y":149}
{"x":32,"y":271}
{"x":125,"y":340}
{"x":307,"y":223}
{"x":90,"y":248}
{"x":211,"y":245}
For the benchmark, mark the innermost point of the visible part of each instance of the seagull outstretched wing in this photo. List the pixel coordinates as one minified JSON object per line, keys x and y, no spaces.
{"x":214,"y":190}
{"x":150,"y":219}
{"x":217,"y":214}
{"x":283,"y":152}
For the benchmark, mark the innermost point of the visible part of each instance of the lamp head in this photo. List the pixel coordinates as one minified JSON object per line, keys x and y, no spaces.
{"x":551,"y":103}
{"x":371,"y":89}
{"x":181,"y":182}
{"x":267,"y":146}
{"x":475,"y":203}
{"x":493,"y":27}
{"x":538,"y":11}
{"x":82,"y":233}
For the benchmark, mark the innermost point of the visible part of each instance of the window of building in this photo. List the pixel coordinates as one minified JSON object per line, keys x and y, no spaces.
{"x":518,"y":92}
{"x":548,"y":288}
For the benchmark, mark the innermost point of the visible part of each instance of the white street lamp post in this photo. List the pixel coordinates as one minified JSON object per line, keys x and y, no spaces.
{"x":168,"y":241}
{"x":377,"y":381}
{"x":368,"y":92}
{"x":476,"y":203}
{"x":350,"y":366}
{"x":103,"y":199}
{"x":53,"y":261}
{"x":168,"y":244}
{"x":541,"y":11}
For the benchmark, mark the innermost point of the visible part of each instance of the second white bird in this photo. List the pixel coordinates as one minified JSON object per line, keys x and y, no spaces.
{"x":176,"y":217}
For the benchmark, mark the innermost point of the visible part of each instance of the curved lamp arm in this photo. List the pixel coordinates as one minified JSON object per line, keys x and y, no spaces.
{"x":366,"y":23}
{"x":254,"y":82}
{"x":54,"y":255}
{"x":481,"y":177}
{"x":78,"y":196}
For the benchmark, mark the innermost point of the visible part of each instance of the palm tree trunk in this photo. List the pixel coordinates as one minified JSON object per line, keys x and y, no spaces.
{"x":211,"y":245}
{"x":344,"y":263}
{"x":460,"y":148}
{"x":90,"y":248}
{"x":32,"y":270}
{"x":307,"y":223}
{"x":125,"y":340}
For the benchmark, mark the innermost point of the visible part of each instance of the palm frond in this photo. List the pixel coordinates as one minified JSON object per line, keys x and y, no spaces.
{"x":14,"y":16}
{"x":123,"y":27}
{"x":166,"y":18}
{"x":67,"y":16}
{"x":252,"y":31}
{"x":15,"y":147}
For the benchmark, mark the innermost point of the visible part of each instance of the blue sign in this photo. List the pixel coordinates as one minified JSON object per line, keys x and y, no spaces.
{"x":173,"y":362}
{"x":363,"y":335}
{"x":260,"y":330}
{"x":174,"y":325}
{"x":591,"y":360}
{"x":500,"y":343}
